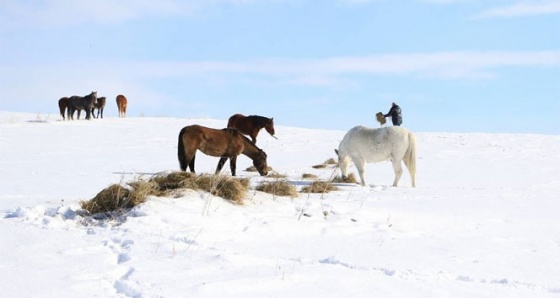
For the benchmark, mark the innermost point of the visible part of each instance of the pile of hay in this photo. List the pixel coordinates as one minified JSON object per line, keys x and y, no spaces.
{"x":117,"y":197}
{"x":278,"y":188}
{"x":112,"y":198}
{"x":253,"y":169}
{"x":276,"y":175}
{"x":309,"y":176}
{"x":319,"y":187}
{"x":351,"y":178}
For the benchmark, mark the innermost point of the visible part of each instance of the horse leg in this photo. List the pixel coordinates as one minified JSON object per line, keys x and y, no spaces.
{"x":232,"y":164}
{"x":397,"y":167}
{"x":254,"y":137}
{"x":221,"y":164}
{"x":101,"y":113}
{"x":361,"y":166}
{"x":191,"y":163}
{"x":411,"y":171}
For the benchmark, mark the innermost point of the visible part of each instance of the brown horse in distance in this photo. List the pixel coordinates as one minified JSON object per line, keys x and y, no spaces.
{"x":99,"y":105}
{"x":251,"y":125}
{"x":224,"y":143}
{"x":121,"y":104}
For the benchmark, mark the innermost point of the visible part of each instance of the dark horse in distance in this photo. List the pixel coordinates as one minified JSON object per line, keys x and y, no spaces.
{"x":81,"y":103}
{"x":62,"y":105}
{"x":251,"y":125}
{"x":100,"y":106}
{"x":224,"y":143}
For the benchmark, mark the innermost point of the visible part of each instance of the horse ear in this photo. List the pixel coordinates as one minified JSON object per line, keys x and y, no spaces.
{"x":336,"y":151}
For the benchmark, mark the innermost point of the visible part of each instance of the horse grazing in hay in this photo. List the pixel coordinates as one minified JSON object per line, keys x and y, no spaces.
{"x":99,"y":105}
{"x":251,"y":125}
{"x":224,"y":143}
{"x":121,"y":105}
{"x":81,"y":103}
{"x":362,"y":144}
{"x":62,"y":106}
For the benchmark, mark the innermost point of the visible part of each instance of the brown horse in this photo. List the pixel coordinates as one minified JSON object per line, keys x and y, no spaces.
{"x":224,"y":143}
{"x":62,"y":105}
{"x":251,"y":125}
{"x":99,"y":105}
{"x":121,"y":104}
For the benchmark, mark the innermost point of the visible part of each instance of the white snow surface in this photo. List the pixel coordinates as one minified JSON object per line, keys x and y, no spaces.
{"x":484,"y":220}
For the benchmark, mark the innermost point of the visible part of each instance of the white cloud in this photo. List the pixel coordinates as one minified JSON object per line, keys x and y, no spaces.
{"x":447,"y":65}
{"x":64,"y":12}
{"x":522,"y":9}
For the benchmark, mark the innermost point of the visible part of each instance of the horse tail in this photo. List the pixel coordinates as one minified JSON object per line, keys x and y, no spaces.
{"x":181,"y":152}
{"x":410,"y":157}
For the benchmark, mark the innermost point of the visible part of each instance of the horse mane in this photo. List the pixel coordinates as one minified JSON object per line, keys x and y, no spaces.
{"x":259,"y":120}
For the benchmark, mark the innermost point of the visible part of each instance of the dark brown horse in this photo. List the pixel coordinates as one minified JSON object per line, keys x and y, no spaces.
{"x":81,"y":103}
{"x":99,"y":105}
{"x":62,"y":105}
{"x":121,"y":105}
{"x":224,"y":143}
{"x":251,"y":125}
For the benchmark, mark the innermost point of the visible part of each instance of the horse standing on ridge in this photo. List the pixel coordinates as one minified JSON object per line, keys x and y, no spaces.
{"x":251,"y":125}
{"x":99,"y":105}
{"x":224,"y":143}
{"x":62,"y":106}
{"x":81,"y":103}
{"x":121,"y":105}
{"x":362,"y":144}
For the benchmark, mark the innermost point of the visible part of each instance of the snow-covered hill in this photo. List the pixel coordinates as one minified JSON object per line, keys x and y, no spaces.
{"x":483,"y":221}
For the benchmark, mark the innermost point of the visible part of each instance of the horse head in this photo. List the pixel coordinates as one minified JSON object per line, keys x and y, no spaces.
{"x":260,"y":163}
{"x":343,"y":163}
{"x":269,"y":126}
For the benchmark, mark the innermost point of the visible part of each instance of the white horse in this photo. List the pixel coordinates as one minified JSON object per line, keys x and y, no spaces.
{"x":362,"y":144}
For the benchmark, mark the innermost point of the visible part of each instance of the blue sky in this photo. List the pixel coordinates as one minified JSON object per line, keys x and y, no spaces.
{"x":452,"y":65}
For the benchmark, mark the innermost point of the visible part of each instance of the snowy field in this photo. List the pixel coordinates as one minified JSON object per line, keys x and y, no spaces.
{"x":484,"y":220}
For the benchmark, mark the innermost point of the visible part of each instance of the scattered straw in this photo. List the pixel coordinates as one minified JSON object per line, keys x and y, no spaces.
{"x":319,"y":187}
{"x":351,"y":178}
{"x":278,"y":188}
{"x":309,"y":176}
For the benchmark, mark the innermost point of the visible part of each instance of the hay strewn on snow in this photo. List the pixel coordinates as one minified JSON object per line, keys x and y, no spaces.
{"x":318,"y":187}
{"x":351,"y":178}
{"x":309,"y":176}
{"x":117,"y":197}
{"x":278,"y":188}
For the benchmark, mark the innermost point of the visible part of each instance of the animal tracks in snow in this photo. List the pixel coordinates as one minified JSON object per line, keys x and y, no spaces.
{"x":440,"y":275}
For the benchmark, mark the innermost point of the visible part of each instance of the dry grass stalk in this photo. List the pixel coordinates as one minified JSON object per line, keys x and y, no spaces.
{"x":278,"y":188}
{"x":319,"y":187}
{"x":351,"y":178}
